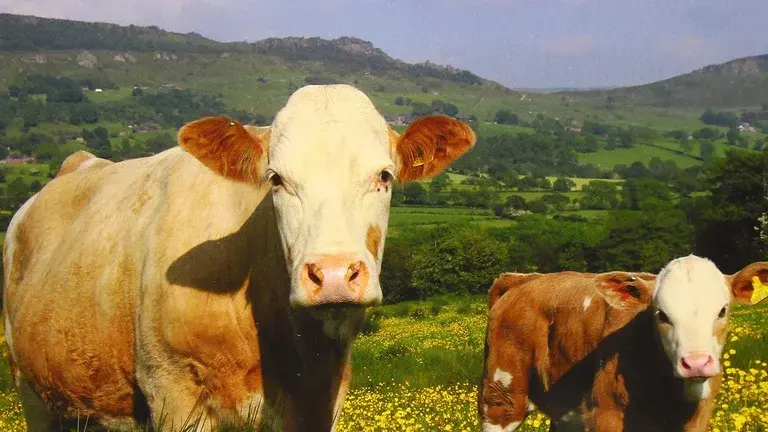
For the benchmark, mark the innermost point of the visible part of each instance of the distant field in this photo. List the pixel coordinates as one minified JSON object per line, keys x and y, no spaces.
{"x":607,"y":159}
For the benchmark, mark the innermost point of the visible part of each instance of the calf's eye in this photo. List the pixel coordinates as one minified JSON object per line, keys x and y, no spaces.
{"x":276,"y":180}
{"x":722,"y":313}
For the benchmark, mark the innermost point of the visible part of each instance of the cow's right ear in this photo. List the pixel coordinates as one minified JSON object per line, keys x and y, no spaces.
{"x":227,"y":147}
{"x":624,"y":290}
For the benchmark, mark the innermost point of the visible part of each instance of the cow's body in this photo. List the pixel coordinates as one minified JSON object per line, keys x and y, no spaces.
{"x":160,"y":287}
{"x":584,"y":349}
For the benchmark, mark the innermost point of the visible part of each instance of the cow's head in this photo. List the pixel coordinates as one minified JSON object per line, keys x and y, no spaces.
{"x":692,"y":306}
{"x":331,"y":160}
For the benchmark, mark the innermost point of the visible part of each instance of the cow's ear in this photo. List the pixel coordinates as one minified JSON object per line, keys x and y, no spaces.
{"x":748,"y":286}
{"x":228,"y":148}
{"x":429,"y":145}
{"x":625,"y":290}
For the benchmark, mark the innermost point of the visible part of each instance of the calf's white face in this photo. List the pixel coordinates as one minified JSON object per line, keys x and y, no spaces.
{"x":331,"y":160}
{"x":692,"y":304}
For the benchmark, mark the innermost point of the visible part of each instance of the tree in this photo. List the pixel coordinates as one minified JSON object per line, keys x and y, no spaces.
{"x":506,"y":117}
{"x":686,"y":145}
{"x":725,"y":221}
{"x":643,"y":241}
{"x":732,"y":135}
{"x":438,"y":184}
{"x":555,"y":202}
{"x":563,"y":184}
{"x":160,"y":143}
{"x":450,"y":110}
{"x":645,"y":194}
{"x":137,"y":91}
{"x":14,"y":90}
{"x":707,"y":150}
{"x":397,"y":272}
{"x":457,"y":259}
{"x":599,"y":195}
{"x":414,"y":193}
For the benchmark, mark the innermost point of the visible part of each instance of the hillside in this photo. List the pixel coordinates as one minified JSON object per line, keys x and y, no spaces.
{"x":737,"y":83}
{"x":258,"y":77}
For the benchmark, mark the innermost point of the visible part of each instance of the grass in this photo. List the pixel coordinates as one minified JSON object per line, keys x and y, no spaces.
{"x":607,"y":159}
{"x":418,"y":369}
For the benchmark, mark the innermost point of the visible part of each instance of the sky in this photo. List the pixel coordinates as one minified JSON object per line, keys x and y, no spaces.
{"x":520,"y":43}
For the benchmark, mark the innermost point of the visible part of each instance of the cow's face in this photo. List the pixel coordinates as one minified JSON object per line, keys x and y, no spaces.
{"x":331,"y":161}
{"x":692,"y":306}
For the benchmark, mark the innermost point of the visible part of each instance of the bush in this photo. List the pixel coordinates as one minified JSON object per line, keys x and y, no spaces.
{"x":372,"y":322}
{"x":418,"y":313}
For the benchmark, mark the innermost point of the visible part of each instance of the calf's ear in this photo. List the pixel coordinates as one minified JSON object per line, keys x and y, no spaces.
{"x":429,"y":145}
{"x":750,"y":284}
{"x":227,"y":147}
{"x":624,"y":290}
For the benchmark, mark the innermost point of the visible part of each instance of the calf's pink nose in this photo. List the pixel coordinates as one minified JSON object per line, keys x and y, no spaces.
{"x":697,"y":365}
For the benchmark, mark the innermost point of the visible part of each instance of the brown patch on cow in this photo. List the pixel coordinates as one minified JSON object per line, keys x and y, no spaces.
{"x":741,"y":282}
{"x":430,"y":144}
{"x":373,"y":241}
{"x":225,"y":147}
{"x":507,"y":281}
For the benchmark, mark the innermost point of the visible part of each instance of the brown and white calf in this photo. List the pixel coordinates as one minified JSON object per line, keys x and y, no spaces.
{"x":223,"y":280}
{"x":610,"y":352}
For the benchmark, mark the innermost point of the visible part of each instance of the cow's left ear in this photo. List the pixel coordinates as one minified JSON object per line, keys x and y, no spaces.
{"x":624,"y":290}
{"x":748,"y":285}
{"x":227,"y":147}
{"x":429,"y":145}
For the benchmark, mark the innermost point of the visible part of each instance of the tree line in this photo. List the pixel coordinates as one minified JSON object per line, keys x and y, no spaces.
{"x":649,"y":228}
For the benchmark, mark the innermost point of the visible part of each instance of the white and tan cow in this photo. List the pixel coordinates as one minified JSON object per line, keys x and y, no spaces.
{"x":220,"y":282}
{"x":613,"y":351}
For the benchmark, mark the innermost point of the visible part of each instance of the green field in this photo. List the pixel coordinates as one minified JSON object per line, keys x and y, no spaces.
{"x":418,"y":369}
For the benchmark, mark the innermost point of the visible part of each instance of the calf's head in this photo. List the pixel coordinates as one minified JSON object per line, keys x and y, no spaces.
{"x":692,"y":307}
{"x":330,"y":159}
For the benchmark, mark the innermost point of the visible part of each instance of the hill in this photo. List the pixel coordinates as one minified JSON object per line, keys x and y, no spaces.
{"x":258,"y":77}
{"x":738,"y":83}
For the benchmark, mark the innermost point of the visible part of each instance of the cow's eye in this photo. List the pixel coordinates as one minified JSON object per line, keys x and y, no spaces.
{"x":663,"y":318}
{"x":385,"y":177}
{"x":276,"y":180}
{"x":722,"y":313}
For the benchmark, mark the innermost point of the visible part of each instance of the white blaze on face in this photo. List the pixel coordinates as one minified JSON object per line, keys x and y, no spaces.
{"x":329,"y":147}
{"x":692,"y":307}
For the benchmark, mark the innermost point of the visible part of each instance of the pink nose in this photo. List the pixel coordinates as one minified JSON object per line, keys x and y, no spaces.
{"x":335,"y":279}
{"x":697,"y":365}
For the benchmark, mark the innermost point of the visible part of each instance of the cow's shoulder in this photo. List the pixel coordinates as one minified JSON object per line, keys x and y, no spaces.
{"x":81,"y":159}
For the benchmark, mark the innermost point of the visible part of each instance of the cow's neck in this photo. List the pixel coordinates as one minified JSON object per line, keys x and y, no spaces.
{"x":302,"y":368}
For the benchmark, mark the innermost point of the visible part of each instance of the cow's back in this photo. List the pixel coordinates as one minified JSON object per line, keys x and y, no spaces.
{"x":79,"y":258}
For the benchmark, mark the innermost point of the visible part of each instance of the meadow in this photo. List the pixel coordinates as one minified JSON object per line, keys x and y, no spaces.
{"x":417,"y":365}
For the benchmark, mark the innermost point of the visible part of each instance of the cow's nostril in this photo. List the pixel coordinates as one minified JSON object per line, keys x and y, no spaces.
{"x":315,"y":274}
{"x":353,"y":272}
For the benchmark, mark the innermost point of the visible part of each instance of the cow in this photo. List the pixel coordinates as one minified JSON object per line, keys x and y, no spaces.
{"x":220,"y":283}
{"x":614,"y":351}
